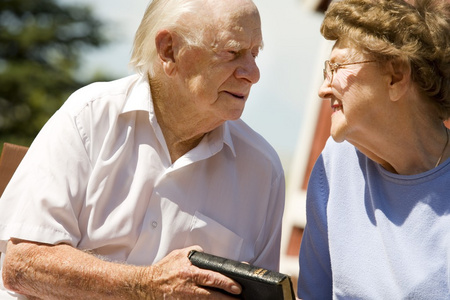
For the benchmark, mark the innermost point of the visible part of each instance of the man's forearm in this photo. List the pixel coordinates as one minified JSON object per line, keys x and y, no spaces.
{"x":63,"y":272}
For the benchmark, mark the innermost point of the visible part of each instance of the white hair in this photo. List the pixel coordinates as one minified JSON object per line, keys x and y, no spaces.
{"x":159,"y":15}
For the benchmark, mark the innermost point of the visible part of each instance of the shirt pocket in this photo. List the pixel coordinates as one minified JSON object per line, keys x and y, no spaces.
{"x":213,"y":237}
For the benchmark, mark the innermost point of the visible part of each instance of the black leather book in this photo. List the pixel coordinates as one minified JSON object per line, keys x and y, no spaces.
{"x":257,"y":283}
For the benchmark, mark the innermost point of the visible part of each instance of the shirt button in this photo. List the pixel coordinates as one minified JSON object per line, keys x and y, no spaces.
{"x":154,"y":224}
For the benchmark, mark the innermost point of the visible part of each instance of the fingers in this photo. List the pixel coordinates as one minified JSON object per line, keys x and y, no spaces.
{"x":219,"y":295}
{"x":175,"y":276}
{"x":216,"y":280}
{"x":211,"y":279}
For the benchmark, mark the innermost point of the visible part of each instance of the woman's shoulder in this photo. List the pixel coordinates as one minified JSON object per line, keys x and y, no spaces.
{"x":339,"y":150}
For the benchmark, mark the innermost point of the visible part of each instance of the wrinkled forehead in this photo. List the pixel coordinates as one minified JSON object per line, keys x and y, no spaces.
{"x":235,"y":19}
{"x":344,"y":52}
{"x":345,"y":48}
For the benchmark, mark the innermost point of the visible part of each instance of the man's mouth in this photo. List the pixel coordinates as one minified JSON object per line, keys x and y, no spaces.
{"x":239,"y":96}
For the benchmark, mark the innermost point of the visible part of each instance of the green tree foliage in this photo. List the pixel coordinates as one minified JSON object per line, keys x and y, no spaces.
{"x":40,"y":49}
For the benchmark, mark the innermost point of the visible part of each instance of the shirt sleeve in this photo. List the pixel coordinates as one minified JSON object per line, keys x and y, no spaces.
{"x":315,"y":278}
{"x":43,"y":199}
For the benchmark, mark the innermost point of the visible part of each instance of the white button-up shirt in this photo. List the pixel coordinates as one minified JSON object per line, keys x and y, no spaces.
{"x":99,"y":177}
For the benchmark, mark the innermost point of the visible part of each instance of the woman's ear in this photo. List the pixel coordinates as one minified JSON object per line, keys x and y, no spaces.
{"x":165,"y":48}
{"x":399,"y":78}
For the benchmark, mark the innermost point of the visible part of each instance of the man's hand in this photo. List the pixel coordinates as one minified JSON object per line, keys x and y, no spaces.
{"x":174,"y":277}
{"x":63,"y":272}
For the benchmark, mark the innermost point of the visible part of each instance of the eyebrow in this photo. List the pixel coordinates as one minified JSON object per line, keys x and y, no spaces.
{"x":233,"y":44}
{"x":237,"y":45}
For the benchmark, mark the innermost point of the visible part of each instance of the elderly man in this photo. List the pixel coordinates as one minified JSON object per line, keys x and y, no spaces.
{"x":129,"y":176}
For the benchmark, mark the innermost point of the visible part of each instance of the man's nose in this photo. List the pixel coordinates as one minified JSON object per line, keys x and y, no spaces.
{"x":248,"y":69}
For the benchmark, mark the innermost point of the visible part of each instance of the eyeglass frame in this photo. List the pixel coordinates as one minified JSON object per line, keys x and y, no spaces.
{"x":336,"y":66}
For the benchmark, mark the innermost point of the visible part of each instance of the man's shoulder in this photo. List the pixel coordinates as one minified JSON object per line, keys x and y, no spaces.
{"x":97,"y":91}
{"x":248,"y":142}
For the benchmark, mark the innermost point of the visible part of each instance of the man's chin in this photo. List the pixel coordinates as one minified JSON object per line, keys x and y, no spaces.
{"x":234,"y":115}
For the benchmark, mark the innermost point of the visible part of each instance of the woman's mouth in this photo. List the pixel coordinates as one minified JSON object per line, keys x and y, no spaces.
{"x":336,"y":107}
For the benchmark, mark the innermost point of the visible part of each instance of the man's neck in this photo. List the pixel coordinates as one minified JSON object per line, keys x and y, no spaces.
{"x":182,"y":127}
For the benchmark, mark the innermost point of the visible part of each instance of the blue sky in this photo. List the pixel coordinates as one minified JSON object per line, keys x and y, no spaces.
{"x":289,"y":63}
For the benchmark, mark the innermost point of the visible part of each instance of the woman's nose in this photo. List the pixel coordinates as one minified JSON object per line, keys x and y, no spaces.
{"x":325,"y":90}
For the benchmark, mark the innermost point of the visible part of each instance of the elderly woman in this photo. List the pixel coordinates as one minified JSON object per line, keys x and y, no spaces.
{"x":378,"y":204}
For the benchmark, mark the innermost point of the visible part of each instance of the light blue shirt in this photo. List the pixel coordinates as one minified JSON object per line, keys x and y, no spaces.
{"x":372,"y":234}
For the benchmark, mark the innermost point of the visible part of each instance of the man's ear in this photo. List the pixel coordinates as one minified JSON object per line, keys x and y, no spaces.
{"x":165,"y":47}
{"x":399,"y":77}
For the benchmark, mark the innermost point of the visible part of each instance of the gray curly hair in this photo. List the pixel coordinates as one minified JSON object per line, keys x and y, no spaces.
{"x":418,"y":34}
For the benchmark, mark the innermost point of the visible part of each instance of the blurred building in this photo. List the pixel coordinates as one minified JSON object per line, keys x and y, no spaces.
{"x":313,"y":134}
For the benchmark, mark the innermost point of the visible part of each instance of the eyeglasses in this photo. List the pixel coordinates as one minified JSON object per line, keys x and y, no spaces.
{"x":330,"y":68}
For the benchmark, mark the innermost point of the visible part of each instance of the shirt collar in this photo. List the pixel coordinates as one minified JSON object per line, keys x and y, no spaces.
{"x":227,"y":137}
{"x":140,"y":98}
{"x":217,"y":138}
